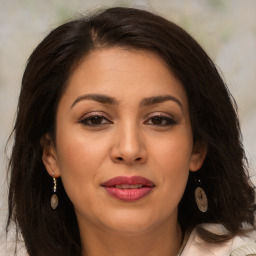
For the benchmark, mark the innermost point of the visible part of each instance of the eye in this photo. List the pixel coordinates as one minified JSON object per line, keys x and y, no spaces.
{"x":159,"y":120}
{"x":95,"y":120}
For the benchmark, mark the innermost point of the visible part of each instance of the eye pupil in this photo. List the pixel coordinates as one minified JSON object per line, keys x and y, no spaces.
{"x":96,"y":120}
{"x":157,"y":120}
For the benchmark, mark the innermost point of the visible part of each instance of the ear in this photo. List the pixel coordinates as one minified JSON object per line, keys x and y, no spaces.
{"x":49,"y":156}
{"x":198,"y":155}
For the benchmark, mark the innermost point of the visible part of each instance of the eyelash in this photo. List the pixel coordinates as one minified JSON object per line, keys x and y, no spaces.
{"x":90,"y":118}
{"x":94,"y":116}
{"x":168,"y":121}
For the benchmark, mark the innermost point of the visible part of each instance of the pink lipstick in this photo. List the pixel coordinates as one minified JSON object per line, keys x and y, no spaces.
{"x":128,"y":188}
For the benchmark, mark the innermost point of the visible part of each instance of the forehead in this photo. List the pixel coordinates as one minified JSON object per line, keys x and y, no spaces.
{"x":123,"y":73}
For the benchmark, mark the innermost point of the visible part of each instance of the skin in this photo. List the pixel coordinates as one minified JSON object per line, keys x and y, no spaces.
{"x":129,"y":136}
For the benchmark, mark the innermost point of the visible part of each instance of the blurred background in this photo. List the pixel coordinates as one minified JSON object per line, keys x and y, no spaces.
{"x":225,"y":28}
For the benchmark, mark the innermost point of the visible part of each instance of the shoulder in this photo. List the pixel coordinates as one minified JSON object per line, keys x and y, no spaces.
{"x":238,"y":246}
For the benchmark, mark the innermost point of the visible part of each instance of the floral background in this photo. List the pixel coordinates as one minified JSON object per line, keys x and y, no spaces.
{"x":225,"y":28}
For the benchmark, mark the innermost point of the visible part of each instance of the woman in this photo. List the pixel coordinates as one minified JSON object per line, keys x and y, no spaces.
{"x":127,"y":142}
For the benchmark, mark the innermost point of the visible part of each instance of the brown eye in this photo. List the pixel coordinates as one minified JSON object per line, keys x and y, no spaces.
{"x":160,"y":121}
{"x":157,"y":120}
{"x":95,"y":120}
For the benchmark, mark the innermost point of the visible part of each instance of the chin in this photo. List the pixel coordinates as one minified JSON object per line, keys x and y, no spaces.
{"x":131,"y":222}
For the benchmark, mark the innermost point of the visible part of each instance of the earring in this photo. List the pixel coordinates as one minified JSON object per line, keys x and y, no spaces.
{"x":54,"y":198}
{"x":201,"y":198}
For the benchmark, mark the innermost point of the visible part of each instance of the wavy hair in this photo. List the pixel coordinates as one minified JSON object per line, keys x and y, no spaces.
{"x":224,"y":174}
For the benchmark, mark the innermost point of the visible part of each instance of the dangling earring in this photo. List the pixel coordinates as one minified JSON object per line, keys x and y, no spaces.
{"x":54,"y":198}
{"x":201,"y":198}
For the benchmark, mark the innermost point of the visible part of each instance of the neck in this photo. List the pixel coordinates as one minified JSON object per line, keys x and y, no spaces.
{"x":162,"y":241}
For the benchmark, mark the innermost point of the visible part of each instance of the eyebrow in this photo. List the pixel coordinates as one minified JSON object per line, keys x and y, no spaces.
{"x":160,"y":99}
{"x":104,"y":99}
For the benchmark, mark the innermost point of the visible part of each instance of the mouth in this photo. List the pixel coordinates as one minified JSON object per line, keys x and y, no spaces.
{"x":128,"y":189}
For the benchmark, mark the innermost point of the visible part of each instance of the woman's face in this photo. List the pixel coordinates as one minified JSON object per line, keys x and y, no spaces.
{"x":124,"y":145}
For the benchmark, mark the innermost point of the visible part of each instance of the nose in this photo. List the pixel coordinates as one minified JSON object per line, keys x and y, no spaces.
{"x":129,"y":146}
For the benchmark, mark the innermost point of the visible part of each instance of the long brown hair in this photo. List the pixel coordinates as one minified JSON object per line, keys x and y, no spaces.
{"x":213,"y":114}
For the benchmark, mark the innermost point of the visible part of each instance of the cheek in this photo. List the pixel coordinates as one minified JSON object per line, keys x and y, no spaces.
{"x":173,"y":152}
{"x":79,"y":160}
{"x":174,"y":167}
{"x":77,"y":152}
{"x":172,"y":160}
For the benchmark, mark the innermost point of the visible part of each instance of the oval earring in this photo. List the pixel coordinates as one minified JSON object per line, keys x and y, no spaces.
{"x":54,"y":198}
{"x":201,"y":199}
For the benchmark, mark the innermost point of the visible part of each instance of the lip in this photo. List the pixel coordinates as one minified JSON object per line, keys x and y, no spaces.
{"x":128,"y":194}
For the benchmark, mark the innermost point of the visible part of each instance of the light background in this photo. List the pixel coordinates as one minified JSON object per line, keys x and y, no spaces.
{"x":225,"y":28}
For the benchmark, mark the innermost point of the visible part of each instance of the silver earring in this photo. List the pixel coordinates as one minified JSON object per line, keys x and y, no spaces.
{"x":54,"y":198}
{"x":201,"y":199}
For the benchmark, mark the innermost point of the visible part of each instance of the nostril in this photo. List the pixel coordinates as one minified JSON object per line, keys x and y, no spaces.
{"x":119,"y":159}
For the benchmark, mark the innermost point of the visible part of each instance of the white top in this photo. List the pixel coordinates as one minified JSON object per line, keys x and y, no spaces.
{"x":238,"y":246}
